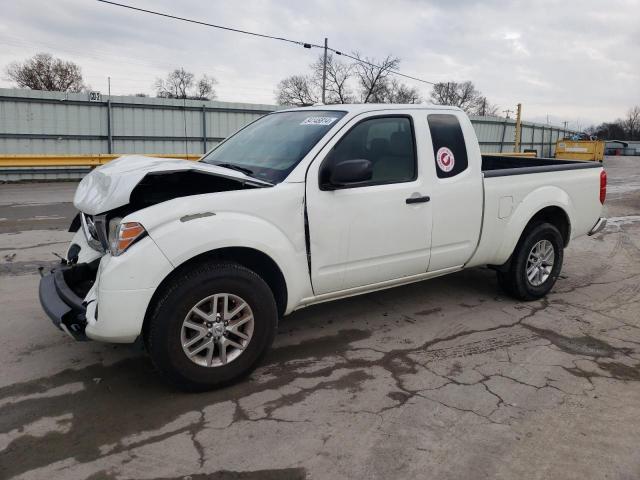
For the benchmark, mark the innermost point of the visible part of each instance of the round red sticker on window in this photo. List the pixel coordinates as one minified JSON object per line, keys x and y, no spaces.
{"x":445,"y":159}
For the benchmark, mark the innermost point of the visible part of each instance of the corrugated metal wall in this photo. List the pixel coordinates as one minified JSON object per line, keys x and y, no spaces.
{"x":497,"y":134}
{"x":33,"y":122}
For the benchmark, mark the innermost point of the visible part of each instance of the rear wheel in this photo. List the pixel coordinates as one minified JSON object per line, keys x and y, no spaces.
{"x":535,"y":265}
{"x":211,"y":326}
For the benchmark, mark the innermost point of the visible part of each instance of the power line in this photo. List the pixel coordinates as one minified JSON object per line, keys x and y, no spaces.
{"x":190,"y":20}
{"x":108,"y":56}
{"x":262,"y":35}
{"x":394,"y":72}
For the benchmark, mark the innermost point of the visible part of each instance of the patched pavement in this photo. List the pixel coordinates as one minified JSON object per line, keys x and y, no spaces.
{"x":444,"y":379}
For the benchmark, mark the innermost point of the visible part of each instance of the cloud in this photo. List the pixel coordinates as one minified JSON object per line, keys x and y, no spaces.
{"x":513,"y":40}
{"x":576,"y":61}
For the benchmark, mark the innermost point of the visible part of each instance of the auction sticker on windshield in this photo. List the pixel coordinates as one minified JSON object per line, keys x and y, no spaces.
{"x":445,"y":159}
{"x":318,"y":121}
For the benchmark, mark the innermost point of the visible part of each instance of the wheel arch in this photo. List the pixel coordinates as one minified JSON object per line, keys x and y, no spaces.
{"x":251,"y":258}
{"x":552,"y":214}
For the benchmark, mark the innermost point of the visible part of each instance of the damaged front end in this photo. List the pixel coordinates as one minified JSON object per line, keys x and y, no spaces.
{"x":135,"y":182}
{"x":63,"y":295}
{"x":105,"y":197}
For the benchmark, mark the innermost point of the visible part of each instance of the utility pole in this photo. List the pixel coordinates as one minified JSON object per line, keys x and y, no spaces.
{"x":507,"y":112}
{"x":516,"y":145}
{"x":109,"y":120}
{"x":324,"y":72}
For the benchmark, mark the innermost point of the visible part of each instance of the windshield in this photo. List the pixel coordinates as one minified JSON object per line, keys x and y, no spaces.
{"x":273,"y":145}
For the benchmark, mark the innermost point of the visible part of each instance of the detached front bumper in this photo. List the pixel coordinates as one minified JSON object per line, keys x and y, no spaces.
{"x":600,"y":224}
{"x":64,"y":307}
{"x":119,"y":289}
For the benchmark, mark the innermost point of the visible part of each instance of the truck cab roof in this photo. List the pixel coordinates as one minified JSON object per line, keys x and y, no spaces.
{"x":357,"y":108}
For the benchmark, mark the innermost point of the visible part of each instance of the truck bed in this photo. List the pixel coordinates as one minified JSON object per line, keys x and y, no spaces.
{"x":499,"y":166}
{"x":570,"y":187}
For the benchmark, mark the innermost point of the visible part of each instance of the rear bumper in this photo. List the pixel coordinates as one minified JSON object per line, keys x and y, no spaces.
{"x":65,"y":309}
{"x":600,"y":224}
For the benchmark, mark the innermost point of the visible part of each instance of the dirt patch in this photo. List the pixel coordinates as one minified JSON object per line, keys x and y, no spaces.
{"x":430,"y":311}
{"x":584,"y":345}
{"x":620,"y":371}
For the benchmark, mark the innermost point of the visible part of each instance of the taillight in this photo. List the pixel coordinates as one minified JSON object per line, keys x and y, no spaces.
{"x":603,"y":186}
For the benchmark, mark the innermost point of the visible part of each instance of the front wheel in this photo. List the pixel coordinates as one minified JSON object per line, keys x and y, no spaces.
{"x":211,"y":326}
{"x":535,"y":265}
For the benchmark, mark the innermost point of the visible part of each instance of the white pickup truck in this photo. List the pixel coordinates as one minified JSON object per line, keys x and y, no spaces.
{"x":200,"y":259}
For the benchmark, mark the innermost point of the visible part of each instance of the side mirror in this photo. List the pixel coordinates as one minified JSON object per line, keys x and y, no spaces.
{"x":350,"y":173}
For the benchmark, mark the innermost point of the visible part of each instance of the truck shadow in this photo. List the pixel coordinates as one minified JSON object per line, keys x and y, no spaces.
{"x":467,"y":288}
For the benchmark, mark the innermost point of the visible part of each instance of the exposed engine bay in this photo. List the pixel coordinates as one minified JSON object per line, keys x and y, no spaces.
{"x":154,"y":188}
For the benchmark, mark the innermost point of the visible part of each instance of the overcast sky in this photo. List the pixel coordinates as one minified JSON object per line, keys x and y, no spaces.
{"x":577,"y":61}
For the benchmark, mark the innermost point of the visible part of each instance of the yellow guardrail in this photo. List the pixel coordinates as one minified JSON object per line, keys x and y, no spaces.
{"x":73,"y":160}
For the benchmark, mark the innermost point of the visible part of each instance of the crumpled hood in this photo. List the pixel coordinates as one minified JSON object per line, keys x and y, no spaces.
{"x":109,"y":186}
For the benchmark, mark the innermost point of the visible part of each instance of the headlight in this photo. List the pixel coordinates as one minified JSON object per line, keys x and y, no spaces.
{"x":112,"y":232}
{"x":90,"y":231}
{"x":124,"y":235}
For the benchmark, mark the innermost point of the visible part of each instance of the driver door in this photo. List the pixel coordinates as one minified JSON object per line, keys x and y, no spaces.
{"x":372,"y":231}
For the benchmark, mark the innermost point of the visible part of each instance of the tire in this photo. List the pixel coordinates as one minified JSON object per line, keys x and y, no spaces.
{"x":516,"y":281}
{"x":229,"y":286}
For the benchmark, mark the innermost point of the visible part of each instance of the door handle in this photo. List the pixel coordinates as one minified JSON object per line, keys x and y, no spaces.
{"x":421,"y":199}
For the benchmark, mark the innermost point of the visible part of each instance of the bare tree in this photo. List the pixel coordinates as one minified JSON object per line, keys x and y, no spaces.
{"x":296,"y":90}
{"x":486,"y":108}
{"x":182,"y":84}
{"x":337,"y":85}
{"x":463,"y":95}
{"x":397,"y":92}
{"x":364,"y":81}
{"x":372,"y":76}
{"x":175,"y":85}
{"x":44,"y":72}
{"x":204,"y":88}
{"x":608,"y":131}
{"x":632,"y":122}
{"x":620,"y":129}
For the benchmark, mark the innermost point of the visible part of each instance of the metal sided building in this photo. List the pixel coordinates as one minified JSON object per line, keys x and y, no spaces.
{"x":55,"y":123}
{"x":37,"y":122}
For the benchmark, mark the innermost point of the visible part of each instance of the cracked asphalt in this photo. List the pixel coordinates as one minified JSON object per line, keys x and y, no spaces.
{"x":445,"y":379}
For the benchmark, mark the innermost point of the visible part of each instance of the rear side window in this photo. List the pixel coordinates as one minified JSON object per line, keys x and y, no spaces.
{"x":449,"y":148}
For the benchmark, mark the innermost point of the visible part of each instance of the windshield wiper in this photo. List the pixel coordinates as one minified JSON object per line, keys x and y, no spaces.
{"x":237,"y":168}
{"x":247,"y":171}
